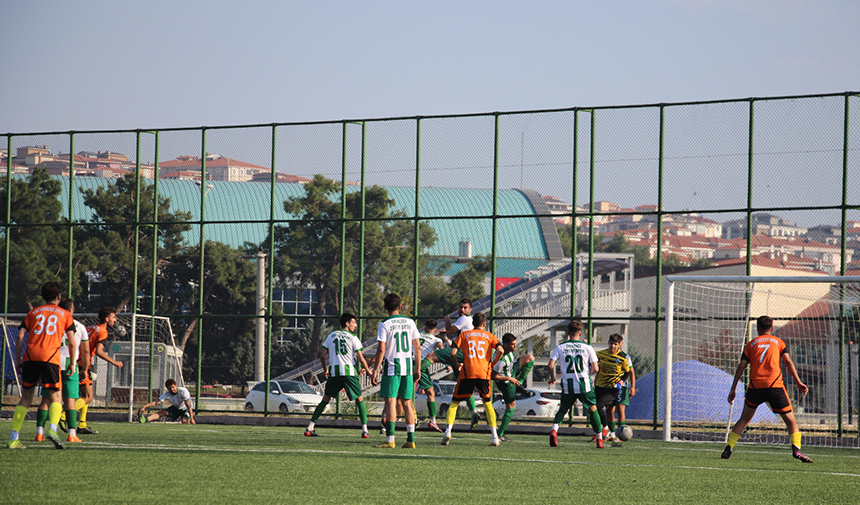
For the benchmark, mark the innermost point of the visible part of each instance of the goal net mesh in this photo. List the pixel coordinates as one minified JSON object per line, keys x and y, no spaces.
{"x":711,"y":323}
{"x":156,"y":358}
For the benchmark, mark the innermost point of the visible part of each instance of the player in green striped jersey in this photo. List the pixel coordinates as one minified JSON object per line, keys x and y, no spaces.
{"x":399,"y":356}
{"x":578,"y":362}
{"x":341,"y":348}
{"x":509,"y":373}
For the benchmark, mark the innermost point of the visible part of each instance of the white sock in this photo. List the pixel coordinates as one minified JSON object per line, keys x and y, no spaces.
{"x":555,"y":427}
{"x":363,"y":427}
{"x":73,"y":432}
{"x":390,"y":439}
{"x":410,"y":428}
{"x":494,"y":432}
{"x":53,"y":428}
{"x":448,"y":430}
{"x":311,"y":426}
{"x":13,"y":435}
{"x":40,"y":430}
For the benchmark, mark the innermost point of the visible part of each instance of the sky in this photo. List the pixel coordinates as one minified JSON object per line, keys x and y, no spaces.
{"x":99,"y":65}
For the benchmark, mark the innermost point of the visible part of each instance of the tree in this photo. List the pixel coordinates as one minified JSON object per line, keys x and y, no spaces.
{"x":309,"y":249}
{"x":37,"y":254}
{"x":469,"y":282}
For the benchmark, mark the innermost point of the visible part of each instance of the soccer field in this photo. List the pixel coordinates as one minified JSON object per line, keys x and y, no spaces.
{"x":160,"y":462}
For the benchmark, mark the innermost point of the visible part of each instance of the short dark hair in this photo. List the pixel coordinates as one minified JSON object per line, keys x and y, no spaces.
{"x":615,"y":338}
{"x":466,"y":301}
{"x":764,"y":324}
{"x":104,"y":312}
{"x":574,"y":327}
{"x":392,"y":301}
{"x":67,"y":303}
{"x":169,"y":382}
{"x":508,"y":338}
{"x":345,"y":318}
{"x":479,"y":319}
{"x":51,"y":291}
{"x":430,"y":324}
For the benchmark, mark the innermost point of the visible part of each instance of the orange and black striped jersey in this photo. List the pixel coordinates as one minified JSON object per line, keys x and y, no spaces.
{"x":764,"y":354}
{"x":477,"y":347}
{"x":46,"y":326}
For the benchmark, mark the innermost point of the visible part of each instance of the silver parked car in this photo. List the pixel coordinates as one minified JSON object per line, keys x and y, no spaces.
{"x":533,"y":402}
{"x":284,"y":396}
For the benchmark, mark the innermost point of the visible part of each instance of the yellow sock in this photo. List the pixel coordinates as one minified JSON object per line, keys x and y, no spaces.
{"x":82,"y":422}
{"x":452,"y":413}
{"x":18,"y":418}
{"x":491,"y":413}
{"x":79,"y":403}
{"x":733,"y":439}
{"x":795,"y":439}
{"x":54,"y":412}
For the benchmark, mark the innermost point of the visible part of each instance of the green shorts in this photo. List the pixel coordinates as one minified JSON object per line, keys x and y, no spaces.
{"x":397,"y":386}
{"x":588,"y":399}
{"x":349,"y":383}
{"x":176,"y":413}
{"x":444,"y":356}
{"x":625,"y":396}
{"x":508,"y":391}
{"x":70,"y":387}
{"x":425,"y":382}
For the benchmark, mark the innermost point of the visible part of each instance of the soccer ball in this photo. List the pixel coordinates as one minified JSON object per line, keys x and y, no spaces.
{"x":624,"y":433}
{"x":120,"y":330}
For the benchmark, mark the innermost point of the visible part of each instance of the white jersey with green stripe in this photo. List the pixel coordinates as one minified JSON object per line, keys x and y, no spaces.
{"x":66,"y":360}
{"x":342,"y":346}
{"x":397,"y":332}
{"x":574,"y":357}
{"x":428,"y":343}
{"x":505,"y":366}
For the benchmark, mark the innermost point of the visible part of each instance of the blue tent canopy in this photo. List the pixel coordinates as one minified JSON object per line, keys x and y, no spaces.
{"x":699,"y":394}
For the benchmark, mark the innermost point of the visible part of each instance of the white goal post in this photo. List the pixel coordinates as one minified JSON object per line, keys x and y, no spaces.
{"x":709,"y":319}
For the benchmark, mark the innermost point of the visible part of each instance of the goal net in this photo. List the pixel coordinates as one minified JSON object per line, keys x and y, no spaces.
{"x":710,"y":319}
{"x":145,"y":345}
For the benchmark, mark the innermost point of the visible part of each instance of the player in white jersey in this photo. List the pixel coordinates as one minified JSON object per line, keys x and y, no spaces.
{"x":399,"y":357}
{"x":578,"y":362}
{"x":180,"y":405}
{"x":429,"y":343}
{"x":69,"y":352}
{"x":341,"y":348}
{"x":463,"y":322}
{"x":509,"y":373}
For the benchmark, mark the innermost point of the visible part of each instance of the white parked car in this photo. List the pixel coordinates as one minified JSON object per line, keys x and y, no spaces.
{"x":532,"y":402}
{"x":284,"y":396}
{"x":444,"y":392}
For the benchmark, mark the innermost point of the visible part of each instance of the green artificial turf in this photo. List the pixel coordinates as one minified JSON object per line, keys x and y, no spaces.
{"x":160,"y":462}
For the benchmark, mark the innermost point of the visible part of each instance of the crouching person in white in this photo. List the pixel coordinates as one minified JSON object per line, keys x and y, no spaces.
{"x":180,"y":405}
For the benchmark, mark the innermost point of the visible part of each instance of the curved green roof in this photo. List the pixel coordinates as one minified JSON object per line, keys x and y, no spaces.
{"x":517,"y":238}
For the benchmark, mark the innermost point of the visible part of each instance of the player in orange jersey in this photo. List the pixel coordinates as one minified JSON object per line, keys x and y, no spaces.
{"x":763,"y":355}
{"x":478,"y":362}
{"x":45,"y":326}
{"x":98,"y":335}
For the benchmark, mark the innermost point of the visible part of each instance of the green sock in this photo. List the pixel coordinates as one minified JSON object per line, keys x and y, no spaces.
{"x":612,"y":426}
{"x":524,"y":371}
{"x":594,"y":417}
{"x":362,"y":412}
{"x":41,"y":417}
{"x":471,"y":403}
{"x":72,"y":418}
{"x":389,"y":428}
{"x":18,"y":419}
{"x":431,"y":406}
{"x":318,"y":411}
{"x":410,"y":436}
{"x":506,"y":419}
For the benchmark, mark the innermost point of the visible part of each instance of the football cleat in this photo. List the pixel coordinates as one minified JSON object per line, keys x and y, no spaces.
{"x":727,"y":452}
{"x":143,"y":419}
{"x":446,"y":440}
{"x":52,"y":436}
{"x":409,"y":445}
{"x":553,"y":439}
{"x":311,"y":433}
{"x":365,"y":434}
{"x":799,"y":455}
{"x":504,"y":439}
{"x":435,"y":427}
{"x":495,"y":442}
{"x":86,"y":431}
{"x":475,"y":419}
{"x":62,"y":424}
{"x":74,"y":438}
{"x":14,"y":444}
{"x":386,"y":445}
{"x":40,"y":437}
{"x":600,"y":444}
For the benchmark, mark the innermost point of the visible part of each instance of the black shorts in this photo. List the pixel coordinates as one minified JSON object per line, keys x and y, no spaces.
{"x":777,"y":398}
{"x":34,"y":372}
{"x":465,"y":387}
{"x":607,"y":397}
